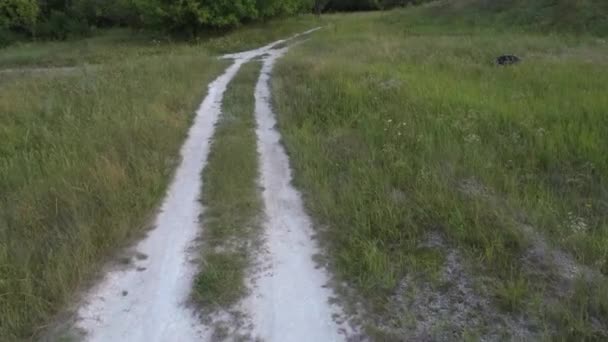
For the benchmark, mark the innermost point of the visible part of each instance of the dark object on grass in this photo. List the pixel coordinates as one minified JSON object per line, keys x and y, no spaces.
{"x":507,"y":60}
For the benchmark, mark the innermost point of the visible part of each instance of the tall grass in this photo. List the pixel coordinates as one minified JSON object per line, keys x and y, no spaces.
{"x":562,"y":16}
{"x":84,"y":160}
{"x":397,"y":129}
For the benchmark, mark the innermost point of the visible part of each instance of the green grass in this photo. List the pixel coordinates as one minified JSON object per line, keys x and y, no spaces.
{"x":397,"y":128}
{"x":119,"y":44}
{"x":84,"y":160}
{"x":221,"y":282}
{"x":231,"y":198}
{"x":550,"y":16}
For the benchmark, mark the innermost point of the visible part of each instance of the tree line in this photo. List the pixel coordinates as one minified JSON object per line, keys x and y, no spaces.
{"x":59,"y":19}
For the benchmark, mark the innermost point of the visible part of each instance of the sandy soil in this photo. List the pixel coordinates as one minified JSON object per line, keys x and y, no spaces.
{"x":290,"y":299}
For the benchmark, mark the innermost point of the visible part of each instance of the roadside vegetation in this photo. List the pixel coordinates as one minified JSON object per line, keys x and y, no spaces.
{"x":231,"y":198}
{"x":424,"y":160}
{"x":85,"y":158}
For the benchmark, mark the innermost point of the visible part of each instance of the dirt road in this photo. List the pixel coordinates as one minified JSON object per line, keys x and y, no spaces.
{"x":289,"y":300}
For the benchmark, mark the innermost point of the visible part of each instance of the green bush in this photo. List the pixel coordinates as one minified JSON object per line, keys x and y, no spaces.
{"x":190,"y":16}
{"x":106,"y":12}
{"x":59,"y":19}
{"x":18,"y":15}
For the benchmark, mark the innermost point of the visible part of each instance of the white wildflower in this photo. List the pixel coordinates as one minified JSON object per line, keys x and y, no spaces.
{"x":541,"y":132}
{"x":472,"y":138}
{"x":577,"y":224}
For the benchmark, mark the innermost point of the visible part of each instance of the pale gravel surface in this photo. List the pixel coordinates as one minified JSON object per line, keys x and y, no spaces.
{"x":289,"y":299}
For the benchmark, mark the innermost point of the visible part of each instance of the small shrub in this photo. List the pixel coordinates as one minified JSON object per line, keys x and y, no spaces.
{"x":18,"y":15}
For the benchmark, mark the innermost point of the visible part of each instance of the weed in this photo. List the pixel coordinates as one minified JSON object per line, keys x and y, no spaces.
{"x":221,"y":281}
{"x":231,"y":198}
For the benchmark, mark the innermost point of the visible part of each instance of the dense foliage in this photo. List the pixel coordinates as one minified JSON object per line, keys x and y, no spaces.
{"x":17,"y":16}
{"x":59,"y":19}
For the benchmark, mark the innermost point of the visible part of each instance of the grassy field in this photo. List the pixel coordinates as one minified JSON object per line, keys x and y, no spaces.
{"x":421,"y":156}
{"x":86,"y":154}
{"x":117,"y":44}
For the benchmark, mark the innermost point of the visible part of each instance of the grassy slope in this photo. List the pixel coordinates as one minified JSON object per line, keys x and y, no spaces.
{"x":565,"y":16}
{"x":397,"y":127}
{"x":230,"y":196}
{"x":86,"y":155}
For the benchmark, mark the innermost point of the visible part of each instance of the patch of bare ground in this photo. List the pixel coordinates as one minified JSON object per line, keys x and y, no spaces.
{"x":555,"y":262}
{"x":454,"y":306}
{"x":555,"y":271}
{"x":541,"y":255}
{"x":228,"y":325}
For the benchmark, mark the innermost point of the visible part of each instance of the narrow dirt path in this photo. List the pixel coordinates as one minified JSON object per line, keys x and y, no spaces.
{"x":147,"y":300}
{"x":290,"y":299}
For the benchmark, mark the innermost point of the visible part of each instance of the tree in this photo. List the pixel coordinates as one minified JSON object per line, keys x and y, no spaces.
{"x":191,"y":16}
